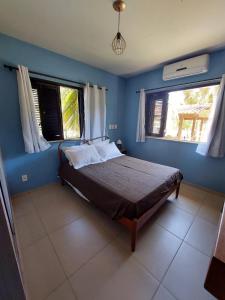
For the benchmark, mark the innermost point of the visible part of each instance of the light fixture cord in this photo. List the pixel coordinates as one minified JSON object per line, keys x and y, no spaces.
{"x":119,"y":22}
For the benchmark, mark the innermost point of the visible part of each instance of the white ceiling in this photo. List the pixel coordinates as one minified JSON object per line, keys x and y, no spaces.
{"x":156,"y":31}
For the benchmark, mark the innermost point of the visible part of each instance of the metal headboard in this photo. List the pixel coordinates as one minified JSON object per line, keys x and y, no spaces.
{"x":82,"y":141}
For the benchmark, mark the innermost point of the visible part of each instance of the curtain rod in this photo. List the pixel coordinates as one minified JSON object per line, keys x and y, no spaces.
{"x":50,"y":76}
{"x":182,"y":85}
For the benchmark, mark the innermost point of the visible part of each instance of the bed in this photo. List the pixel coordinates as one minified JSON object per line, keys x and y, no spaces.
{"x":127,"y":189}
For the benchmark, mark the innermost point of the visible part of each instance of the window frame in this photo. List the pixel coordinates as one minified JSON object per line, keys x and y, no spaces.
{"x":167,"y":90}
{"x":36,"y":81}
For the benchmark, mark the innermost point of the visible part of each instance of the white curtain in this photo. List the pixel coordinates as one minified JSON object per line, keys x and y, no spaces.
{"x":140,"y":136}
{"x":214,"y":140}
{"x":94,"y":112}
{"x":33,"y":141}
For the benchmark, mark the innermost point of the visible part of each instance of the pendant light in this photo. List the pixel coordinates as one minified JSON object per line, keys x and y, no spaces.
{"x":118,"y":43}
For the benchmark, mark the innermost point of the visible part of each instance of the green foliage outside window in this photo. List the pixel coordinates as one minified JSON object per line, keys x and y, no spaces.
{"x":188,"y":112}
{"x":199,"y":96}
{"x":70,"y":112}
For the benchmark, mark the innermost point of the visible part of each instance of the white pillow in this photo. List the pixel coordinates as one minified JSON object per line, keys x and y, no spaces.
{"x":73,"y":148}
{"x":96,"y":142}
{"x":108,"y":151}
{"x":83,"y":157}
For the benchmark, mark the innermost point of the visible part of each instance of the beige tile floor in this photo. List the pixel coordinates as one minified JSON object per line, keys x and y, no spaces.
{"x":71,"y":250}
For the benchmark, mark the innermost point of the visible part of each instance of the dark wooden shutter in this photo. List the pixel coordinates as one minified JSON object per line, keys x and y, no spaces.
{"x":156,"y":113}
{"x":50,"y":109}
{"x":37,"y":108}
{"x":81,"y":110}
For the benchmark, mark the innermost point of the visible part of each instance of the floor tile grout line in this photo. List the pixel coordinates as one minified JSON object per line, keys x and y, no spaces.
{"x":46,"y":233}
{"x":86,"y":262}
{"x":169,"y":292}
{"x":207,"y":220}
{"x":182,"y":242}
{"x":47,"y":236}
{"x":198,"y":210}
{"x":132,"y":255}
{"x":25,"y":213}
{"x":194,"y":217}
{"x":36,"y":189}
{"x":33,"y":243}
{"x":146,"y":269}
{"x":59,"y":260}
{"x":160,"y":281}
{"x":73,"y":291}
{"x":190,"y":245}
{"x":61,"y":227}
{"x":201,"y":202}
{"x":172,"y":232}
{"x":178,"y":237}
{"x":156,"y":291}
{"x":125,"y":249}
{"x":55,"y":254}
{"x":100,"y":250}
{"x":164,"y":275}
{"x":60,"y":285}
{"x":186,"y":210}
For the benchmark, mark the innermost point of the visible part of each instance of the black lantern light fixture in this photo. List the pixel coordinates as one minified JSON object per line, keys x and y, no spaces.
{"x":118,"y":43}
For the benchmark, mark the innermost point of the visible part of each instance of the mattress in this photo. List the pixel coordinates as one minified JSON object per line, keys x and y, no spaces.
{"x":123,"y":186}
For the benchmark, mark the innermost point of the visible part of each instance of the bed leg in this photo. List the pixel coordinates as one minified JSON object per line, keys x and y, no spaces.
{"x":177,"y":190}
{"x":134,"y":236}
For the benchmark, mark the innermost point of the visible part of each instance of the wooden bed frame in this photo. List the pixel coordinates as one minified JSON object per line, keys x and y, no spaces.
{"x":133,"y":225}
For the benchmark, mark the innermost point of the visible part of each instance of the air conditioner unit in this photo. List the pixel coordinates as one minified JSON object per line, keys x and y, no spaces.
{"x":187,"y":67}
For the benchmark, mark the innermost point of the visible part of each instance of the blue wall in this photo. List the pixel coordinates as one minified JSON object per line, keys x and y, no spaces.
{"x":122,"y":108}
{"x":42,"y":167}
{"x":196,"y":169}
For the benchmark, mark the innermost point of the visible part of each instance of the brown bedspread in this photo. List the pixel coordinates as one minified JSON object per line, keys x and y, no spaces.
{"x":123,"y":186}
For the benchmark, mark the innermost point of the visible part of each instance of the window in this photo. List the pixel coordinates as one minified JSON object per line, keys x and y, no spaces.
{"x":180,"y":115}
{"x":59,"y":110}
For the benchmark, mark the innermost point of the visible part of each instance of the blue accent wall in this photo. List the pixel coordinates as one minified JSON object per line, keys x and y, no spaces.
{"x":204,"y":171}
{"x":41,"y":168}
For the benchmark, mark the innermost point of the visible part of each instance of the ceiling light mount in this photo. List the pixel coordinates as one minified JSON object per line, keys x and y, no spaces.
{"x":119,"y":43}
{"x":119,"y":5}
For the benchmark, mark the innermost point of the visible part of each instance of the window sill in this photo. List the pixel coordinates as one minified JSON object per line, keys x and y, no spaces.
{"x":66,"y":140}
{"x":170,"y":140}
